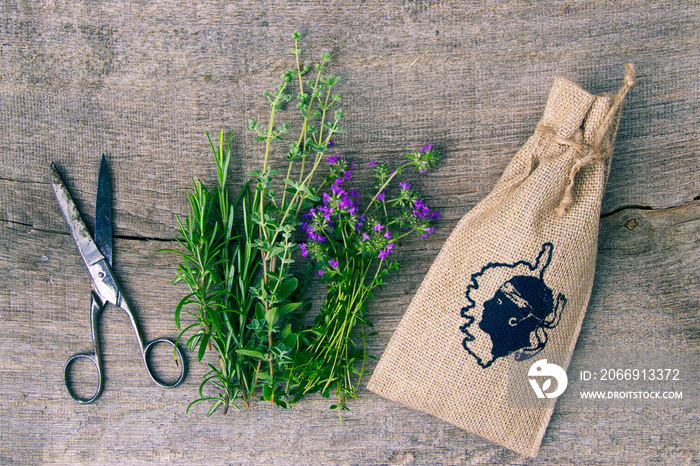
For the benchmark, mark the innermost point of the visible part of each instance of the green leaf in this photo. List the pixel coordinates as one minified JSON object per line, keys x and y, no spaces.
{"x":184,"y":301}
{"x":287,"y":287}
{"x":203,"y":346}
{"x":257,"y":355}
{"x":276,"y":251}
{"x":271,"y":316}
{"x":267,"y":392}
{"x":218,"y":403}
{"x":259,"y":311}
{"x":280,"y":403}
{"x":287,"y":308}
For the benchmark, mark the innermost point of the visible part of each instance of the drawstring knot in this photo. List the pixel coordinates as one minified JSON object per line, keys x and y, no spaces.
{"x":597,"y":150}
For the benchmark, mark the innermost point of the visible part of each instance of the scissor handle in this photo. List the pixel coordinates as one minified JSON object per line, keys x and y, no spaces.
{"x":181,"y":360}
{"x":100,"y":378}
{"x":96,"y":307}
{"x":124,"y":305}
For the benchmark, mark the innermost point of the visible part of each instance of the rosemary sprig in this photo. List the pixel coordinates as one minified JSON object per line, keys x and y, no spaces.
{"x":218,"y":264}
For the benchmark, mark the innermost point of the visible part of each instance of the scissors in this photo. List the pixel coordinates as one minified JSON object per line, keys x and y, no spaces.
{"x":97,"y":255}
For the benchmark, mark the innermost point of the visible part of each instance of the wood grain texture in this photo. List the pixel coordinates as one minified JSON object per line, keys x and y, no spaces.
{"x":143,"y":82}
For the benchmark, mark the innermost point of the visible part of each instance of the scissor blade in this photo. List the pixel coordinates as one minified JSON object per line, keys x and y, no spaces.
{"x":103,"y":213}
{"x":87,"y":247}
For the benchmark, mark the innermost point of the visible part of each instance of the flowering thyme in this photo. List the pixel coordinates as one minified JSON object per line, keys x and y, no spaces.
{"x":352,"y":250}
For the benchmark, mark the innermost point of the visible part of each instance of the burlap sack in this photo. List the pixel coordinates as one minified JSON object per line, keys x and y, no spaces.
{"x":512,"y":282}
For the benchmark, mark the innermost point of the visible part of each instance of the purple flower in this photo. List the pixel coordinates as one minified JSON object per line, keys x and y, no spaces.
{"x":344,"y":202}
{"x":331,"y":144}
{"x":354,"y":193}
{"x":365,"y":236}
{"x":421,"y":211}
{"x":326,"y":211}
{"x":428,"y":231}
{"x":383,"y":254}
{"x":320,"y":272}
{"x":333,"y":158}
{"x":333,"y":263}
{"x":426,"y":148}
{"x":390,"y":247}
{"x":348,"y":174}
{"x":326,"y":198}
{"x":381,"y":196}
{"x":314,"y":236}
{"x":351,"y":165}
{"x":336,"y":189}
{"x":338,"y":181}
{"x":434,"y":215}
{"x":360,"y":222}
{"x":304,"y":251}
{"x":378,"y":227}
{"x":372,"y":163}
{"x":405,"y":186}
{"x":423,"y":171}
{"x":387,"y":235}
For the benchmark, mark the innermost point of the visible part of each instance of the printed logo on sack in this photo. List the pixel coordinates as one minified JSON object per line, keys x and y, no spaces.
{"x":510,"y":310}
{"x":542,"y":368}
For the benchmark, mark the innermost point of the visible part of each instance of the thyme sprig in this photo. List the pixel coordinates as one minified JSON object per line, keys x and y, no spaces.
{"x":351,"y":252}
{"x":277,"y":219}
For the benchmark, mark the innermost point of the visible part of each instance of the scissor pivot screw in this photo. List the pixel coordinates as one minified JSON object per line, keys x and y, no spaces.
{"x":101,"y":274}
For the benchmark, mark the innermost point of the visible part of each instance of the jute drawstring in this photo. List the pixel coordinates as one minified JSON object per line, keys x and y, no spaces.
{"x":588,"y":154}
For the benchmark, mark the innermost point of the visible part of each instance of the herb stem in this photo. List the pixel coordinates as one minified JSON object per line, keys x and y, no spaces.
{"x":386,"y":183}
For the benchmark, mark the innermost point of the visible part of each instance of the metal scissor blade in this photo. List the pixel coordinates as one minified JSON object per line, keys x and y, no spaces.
{"x":86,"y":245}
{"x":96,"y":263}
{"x":103,"y":213}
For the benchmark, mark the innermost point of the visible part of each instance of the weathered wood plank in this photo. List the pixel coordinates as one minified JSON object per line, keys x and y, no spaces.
{"x":143,"y":83}
{"x":655,"y":264}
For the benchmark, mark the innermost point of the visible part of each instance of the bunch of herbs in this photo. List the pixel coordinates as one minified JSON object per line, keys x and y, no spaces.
{"x":352,"y":251}
{"x":243,"y":299}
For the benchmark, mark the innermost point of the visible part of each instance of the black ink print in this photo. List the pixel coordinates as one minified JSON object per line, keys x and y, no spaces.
{"x":511,"y":316}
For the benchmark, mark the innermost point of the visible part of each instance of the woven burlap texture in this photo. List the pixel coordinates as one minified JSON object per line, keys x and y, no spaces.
{"x":425,"y":365}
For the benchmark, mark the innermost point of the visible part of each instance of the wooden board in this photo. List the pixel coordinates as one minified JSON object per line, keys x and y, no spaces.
{"x":142,"y":83}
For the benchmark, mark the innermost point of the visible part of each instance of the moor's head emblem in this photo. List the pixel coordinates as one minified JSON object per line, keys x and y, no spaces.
{"x":510,"y":310}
